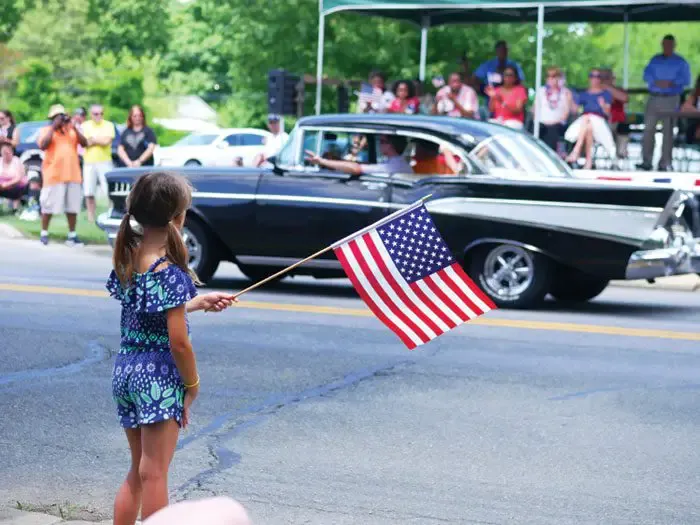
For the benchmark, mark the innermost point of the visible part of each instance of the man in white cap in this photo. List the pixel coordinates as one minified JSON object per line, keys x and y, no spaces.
{"x":274,"y":143}
{"x":61,"y":190}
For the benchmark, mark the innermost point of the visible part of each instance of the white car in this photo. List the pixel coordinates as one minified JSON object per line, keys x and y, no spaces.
{"x":221,"y":148}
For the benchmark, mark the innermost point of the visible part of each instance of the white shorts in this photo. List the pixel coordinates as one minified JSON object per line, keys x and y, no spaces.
{"x":602,"y":134}
{"x":61,"y":198}
{"x":94,"y":174}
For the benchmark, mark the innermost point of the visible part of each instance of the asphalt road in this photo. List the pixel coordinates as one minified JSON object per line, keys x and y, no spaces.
{"x":312,"y":412}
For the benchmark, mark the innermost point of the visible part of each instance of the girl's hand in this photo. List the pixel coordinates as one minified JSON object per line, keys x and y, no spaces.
{"x":190,"y":395}
{"x":216,"y":301}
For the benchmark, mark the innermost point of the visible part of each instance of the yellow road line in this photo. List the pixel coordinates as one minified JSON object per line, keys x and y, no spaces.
{"x":361,"y":312}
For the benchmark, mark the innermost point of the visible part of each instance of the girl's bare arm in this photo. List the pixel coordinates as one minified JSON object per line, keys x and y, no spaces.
{"x":180,"y":345}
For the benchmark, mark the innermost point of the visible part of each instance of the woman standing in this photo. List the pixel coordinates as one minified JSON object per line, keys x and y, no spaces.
{"x":9,"y":134}
{"x":138,"y":141}
{"x":507,"y":102}
{"x":552,"y":106}
{"x":406,"y":100}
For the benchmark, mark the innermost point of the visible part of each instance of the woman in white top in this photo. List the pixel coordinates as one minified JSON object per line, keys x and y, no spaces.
{"x":552,"y":104}
{"x":13,"y":182}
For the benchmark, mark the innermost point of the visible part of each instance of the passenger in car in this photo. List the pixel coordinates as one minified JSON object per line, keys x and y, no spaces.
{"x":429,"y":161}
{"x":390,"y":146}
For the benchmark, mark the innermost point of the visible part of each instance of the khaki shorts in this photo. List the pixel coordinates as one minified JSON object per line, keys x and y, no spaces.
{"x":61,"y":198}
{"x":94,"y":174}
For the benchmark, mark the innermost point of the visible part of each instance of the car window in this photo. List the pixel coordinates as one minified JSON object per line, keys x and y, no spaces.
{"x":287,"y":155}
{"x":233,"y":140}
{"x":196,"y":139}
{"x":250,"y":139}
{"x":343,"y":145}
{"x":309,"y":143}
{"x":29,"y":131}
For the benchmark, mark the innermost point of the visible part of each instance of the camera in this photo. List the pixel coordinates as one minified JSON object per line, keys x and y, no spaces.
{"x":65,"y":118}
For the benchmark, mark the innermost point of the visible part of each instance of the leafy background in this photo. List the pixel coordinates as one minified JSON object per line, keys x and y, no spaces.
{"x":121,"y":52}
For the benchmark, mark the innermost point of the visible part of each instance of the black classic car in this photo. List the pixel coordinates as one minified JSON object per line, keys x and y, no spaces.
{"x":520,"y":240}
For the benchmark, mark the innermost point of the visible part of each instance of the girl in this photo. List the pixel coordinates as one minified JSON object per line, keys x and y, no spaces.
{"x":155,"y":377}
{"x":13,"y":181}
{"x":9,"y":132}
{"x":406,"y":100}
{"x":507,"y":102}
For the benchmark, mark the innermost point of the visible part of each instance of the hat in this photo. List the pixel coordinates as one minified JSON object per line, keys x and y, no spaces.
{"x":56,"y":109}
{"x":273,"y":117}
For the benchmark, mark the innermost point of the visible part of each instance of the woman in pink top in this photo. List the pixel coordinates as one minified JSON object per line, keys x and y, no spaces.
{"x":507,"y":102}
{"x":13,"y":181}
{"x":406,"y":100}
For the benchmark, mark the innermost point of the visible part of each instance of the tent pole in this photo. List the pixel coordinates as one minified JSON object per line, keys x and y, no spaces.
{"x":626,"y":56}
{"x":538,"y":65}
{"x":319,"y":62}
{"x":425,"y":24}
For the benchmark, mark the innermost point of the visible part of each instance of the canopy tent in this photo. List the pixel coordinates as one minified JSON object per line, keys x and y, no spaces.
{"x":430,"y":13}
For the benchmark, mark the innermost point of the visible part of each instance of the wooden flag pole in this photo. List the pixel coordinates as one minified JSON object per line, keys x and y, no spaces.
{"x":298,"y":263}
{"x":282,"y":272}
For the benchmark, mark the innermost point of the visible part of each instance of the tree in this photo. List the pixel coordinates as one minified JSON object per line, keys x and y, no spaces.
{"x":141,"y":26}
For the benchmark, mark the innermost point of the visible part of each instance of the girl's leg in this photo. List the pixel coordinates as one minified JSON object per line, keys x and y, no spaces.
{"x":158,"y":443}
{"x":128,"y":500}
{"x":576,"y":152}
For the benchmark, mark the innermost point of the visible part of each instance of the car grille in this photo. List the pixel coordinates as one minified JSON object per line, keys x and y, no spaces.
{"x":119,"y":189}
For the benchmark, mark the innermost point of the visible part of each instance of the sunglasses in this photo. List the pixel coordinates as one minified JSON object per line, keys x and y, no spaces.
{"x":97,"y":114}
{"x":508,"y":74}
{"x":594,"y":75}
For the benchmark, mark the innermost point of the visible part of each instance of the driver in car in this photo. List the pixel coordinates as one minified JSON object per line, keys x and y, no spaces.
{"x":390,"y":146}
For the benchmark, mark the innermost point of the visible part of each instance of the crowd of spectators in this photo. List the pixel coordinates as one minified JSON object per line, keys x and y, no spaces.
{"x":573,"y":122}
{"x":77,"y":154}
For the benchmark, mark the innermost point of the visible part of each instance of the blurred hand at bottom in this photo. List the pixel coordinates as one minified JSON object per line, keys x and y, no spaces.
{"x":209,"y":511}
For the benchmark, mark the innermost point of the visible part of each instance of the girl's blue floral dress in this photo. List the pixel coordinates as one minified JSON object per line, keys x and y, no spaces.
{"x":145,"y":382}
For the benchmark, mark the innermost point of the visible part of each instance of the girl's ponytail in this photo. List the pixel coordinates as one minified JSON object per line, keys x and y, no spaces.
{"x":177,"y":252}
{"x":124,"y":245}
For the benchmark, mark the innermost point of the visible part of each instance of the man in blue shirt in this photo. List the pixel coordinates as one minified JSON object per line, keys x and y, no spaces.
{"x":491,"y":71}
{"x":666,"y":75}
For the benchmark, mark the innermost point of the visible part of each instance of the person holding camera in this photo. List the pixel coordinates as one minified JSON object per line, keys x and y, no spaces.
{"x":61,"y":191}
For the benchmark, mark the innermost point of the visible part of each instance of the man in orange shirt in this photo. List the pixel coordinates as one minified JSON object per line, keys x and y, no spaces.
{"x":428,"y":161}
{"x":61,"y":190}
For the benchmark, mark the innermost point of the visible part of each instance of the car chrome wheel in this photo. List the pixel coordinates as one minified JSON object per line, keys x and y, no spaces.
{"x":194,"y":248}
{"x":508,"y":271}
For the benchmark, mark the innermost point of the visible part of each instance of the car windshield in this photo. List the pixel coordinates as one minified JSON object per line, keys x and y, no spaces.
{"x":28,"y":131}
{"x":196,"y":139}
{"x":516,"y":154}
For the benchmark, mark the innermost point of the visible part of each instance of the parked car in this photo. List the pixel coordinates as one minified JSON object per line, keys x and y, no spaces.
{"x":214,"y":149}
{"x":520,"y":239}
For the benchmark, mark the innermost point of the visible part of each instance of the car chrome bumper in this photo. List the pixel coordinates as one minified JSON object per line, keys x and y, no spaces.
{"x":664,"y":262}
{"x":110,"y":225}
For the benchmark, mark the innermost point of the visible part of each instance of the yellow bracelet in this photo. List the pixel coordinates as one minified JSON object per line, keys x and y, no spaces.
{"x":196,"y":383}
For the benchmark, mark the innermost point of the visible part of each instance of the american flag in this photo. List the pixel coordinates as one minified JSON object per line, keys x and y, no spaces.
{"x":369,"y":95}
{"x":405,"y":273}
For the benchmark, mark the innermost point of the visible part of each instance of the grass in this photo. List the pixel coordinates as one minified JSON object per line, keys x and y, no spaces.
{"x":88,"y":231}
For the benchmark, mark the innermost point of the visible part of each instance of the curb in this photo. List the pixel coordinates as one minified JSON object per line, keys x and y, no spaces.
{"x":10,"y":232}
{"x":21,"y":517}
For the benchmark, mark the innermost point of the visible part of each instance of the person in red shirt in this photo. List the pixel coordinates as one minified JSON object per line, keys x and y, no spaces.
{"x":406,"y":100}
{"x":618,"y":118}
{"x":507,"y":102}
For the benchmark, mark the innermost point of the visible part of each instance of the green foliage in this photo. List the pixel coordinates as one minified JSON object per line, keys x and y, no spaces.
{"x":149,"y":51}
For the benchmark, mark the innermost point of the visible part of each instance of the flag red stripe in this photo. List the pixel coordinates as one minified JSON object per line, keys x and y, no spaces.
{"x":368,"y":300}
{"x":433,"y":307}
{"x":447,"y":279}
{"x":444,"y":298}
{"x":474,"y":287}
{"x":382,"y":293}
{"x":398,"y":289}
